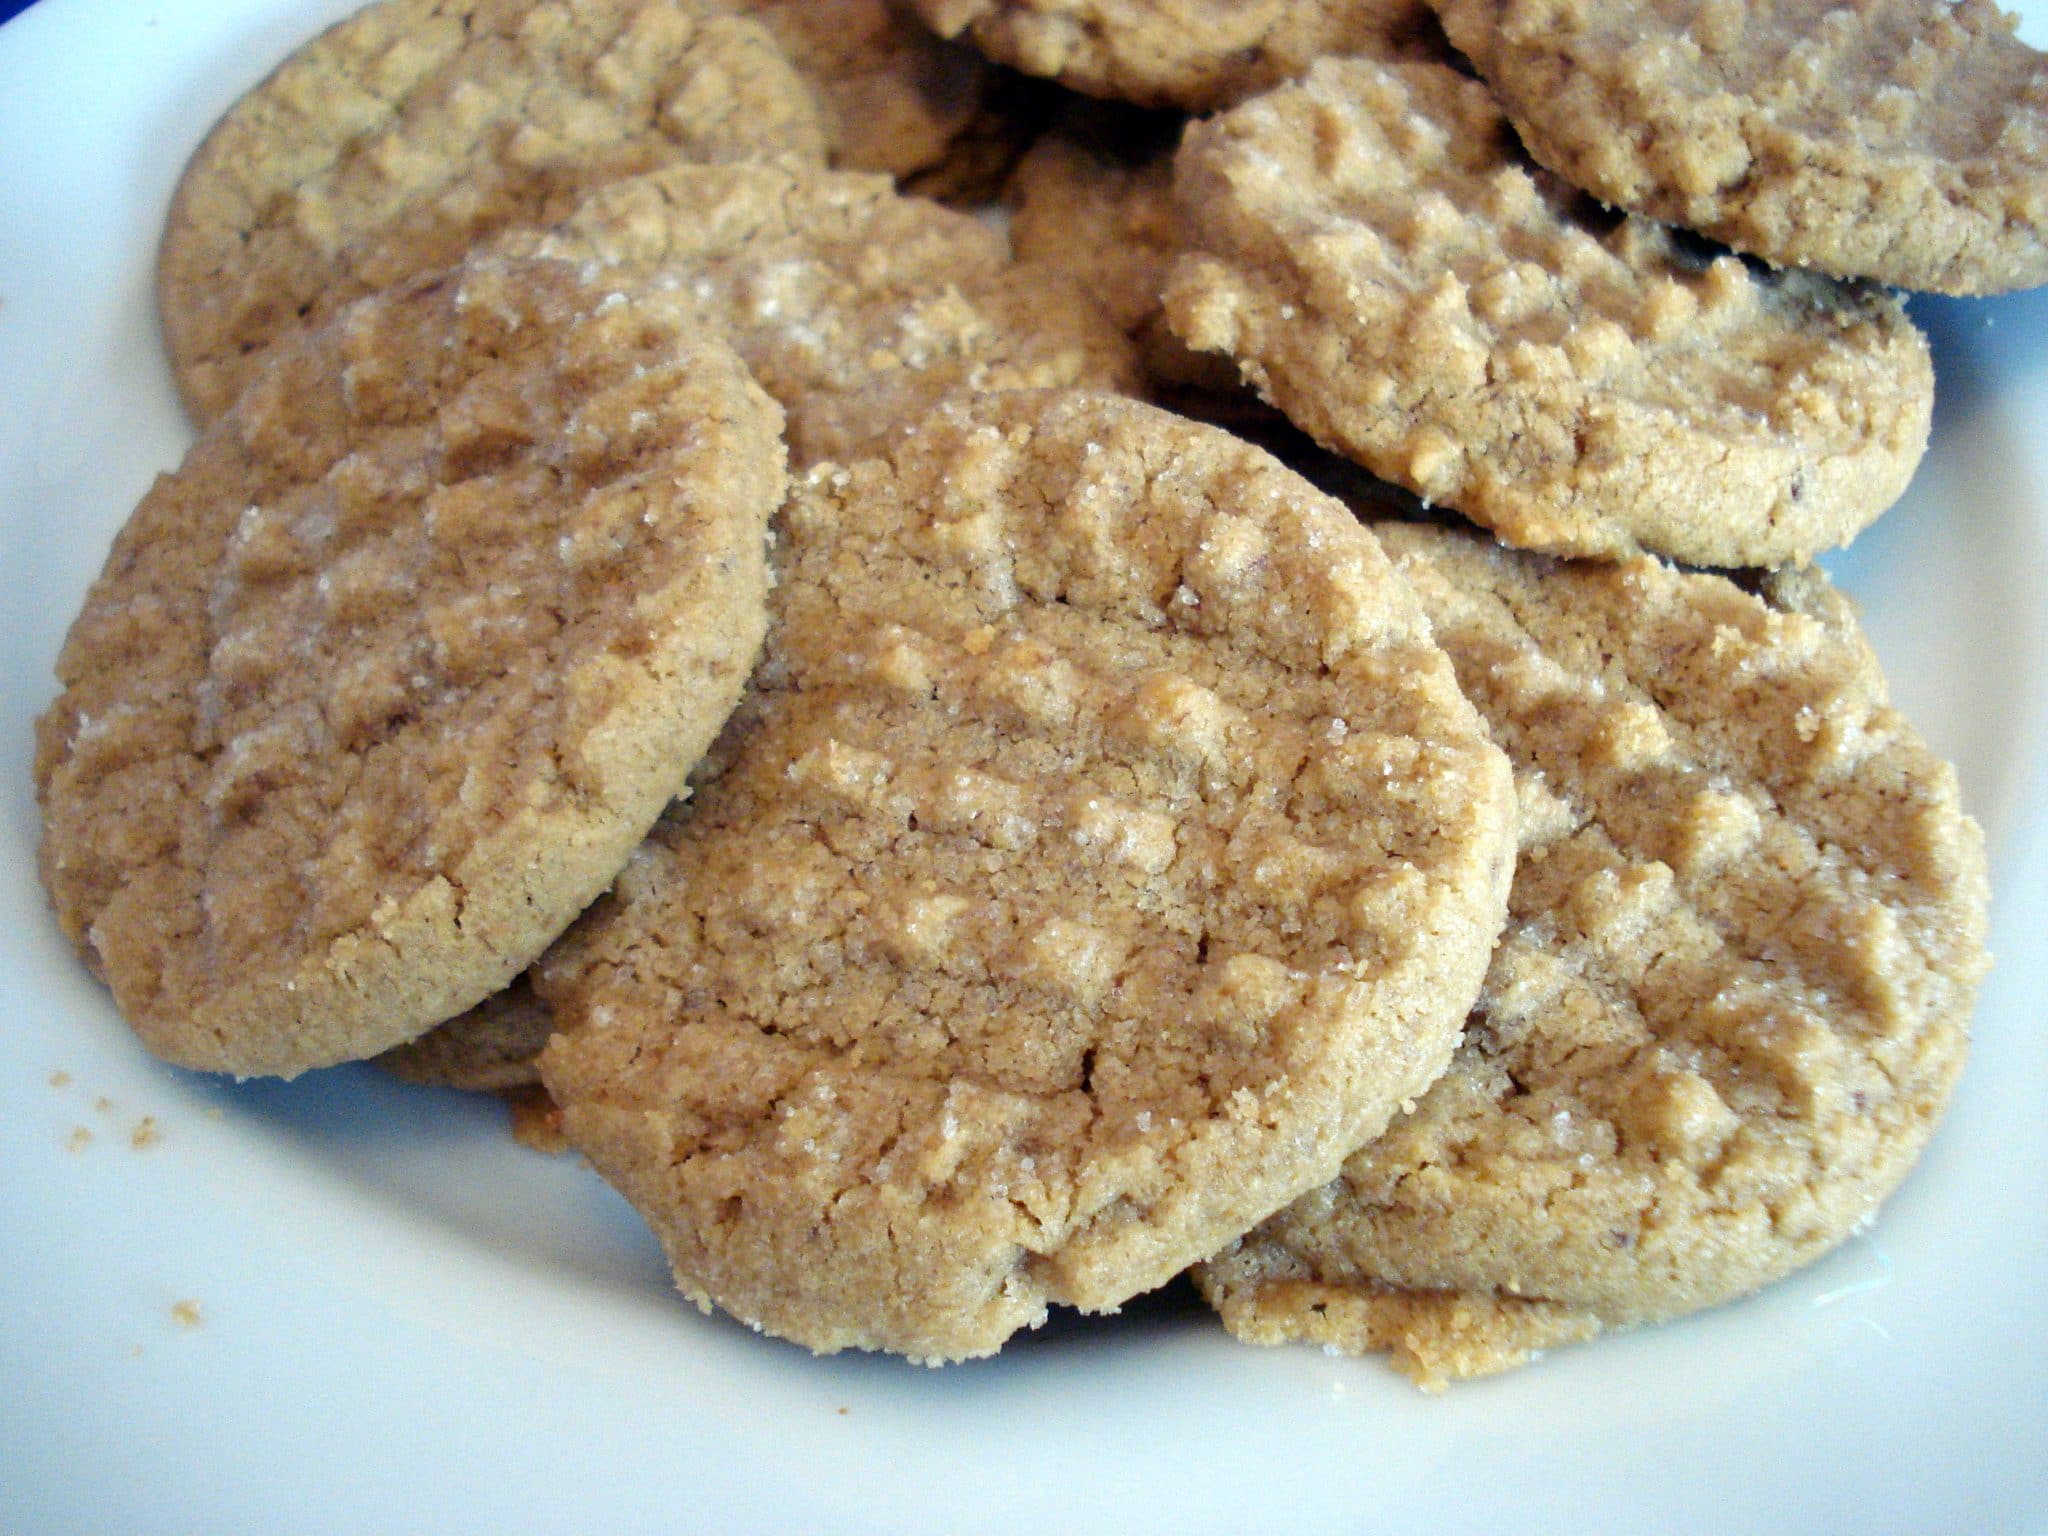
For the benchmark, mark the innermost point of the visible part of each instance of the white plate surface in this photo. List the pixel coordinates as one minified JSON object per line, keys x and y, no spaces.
{"x":408,"y":1323}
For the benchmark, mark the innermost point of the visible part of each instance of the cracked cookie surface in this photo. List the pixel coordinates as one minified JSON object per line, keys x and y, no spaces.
{"x":378,"y":689}
{"x":1893,"y":140}
{"x":1733,"y":995}
{"x":1103,"y":850}
{"x":388,"y":145}
{"x":1389,"y":270}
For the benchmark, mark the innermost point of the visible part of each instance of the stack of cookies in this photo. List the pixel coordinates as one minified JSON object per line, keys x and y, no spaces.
{"x":827,"y":688}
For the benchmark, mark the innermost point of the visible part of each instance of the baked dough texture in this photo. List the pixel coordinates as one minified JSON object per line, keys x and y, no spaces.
{"x":855,"y":307}
{"x":1196,"y":55}
{"x":1892,"y":139}
{"x":379,"y":688}
{"x":1388,"y":270}
{"x":1744,"y":940}
{"x":1104,"y":852}
{"x":387,"y":146}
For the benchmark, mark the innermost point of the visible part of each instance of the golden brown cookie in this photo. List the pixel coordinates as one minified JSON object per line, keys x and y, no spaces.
{"x":1390,"y":272}
{"x":1895,"y":139}
{"x":493,"y":1048}
{"x":1197,"y":55}
{"x":1104,"y":851}
{"x":388,"y":145}
{"x":1745,"y":935}
{"x":855,"y":307}
{"x":379,"y":689}
{"x":897,"y":98}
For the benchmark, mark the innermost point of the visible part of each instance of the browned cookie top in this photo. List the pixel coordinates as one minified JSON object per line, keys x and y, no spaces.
{"x":386,"y":146}
{"x":377,"y":691}
{"x":1372,"y":247}
{"x":1103,"y":852}
{"x":1900,"y":140}
{"x":1744,"y":940}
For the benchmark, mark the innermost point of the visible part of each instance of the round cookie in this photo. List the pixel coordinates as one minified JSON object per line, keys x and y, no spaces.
{"x":379,"y":688}
{"x":855,"y":307}
{"x":1391,"y":273}
{"x":388,"y":145}
{"x":1104,"y":851}
{"x":493,"y":1048}
{"x":897,"y":98}
{"x":1894,"y":139}
{"x":1732,"y":998}
{"x":1196,"y":55}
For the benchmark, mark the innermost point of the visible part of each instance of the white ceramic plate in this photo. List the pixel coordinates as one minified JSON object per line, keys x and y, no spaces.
{"x":405,"y":1322}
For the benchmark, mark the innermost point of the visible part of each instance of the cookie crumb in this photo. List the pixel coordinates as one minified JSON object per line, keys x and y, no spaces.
{"x":616,"y":678}
{"x":60,"y":1079}
{"x":146,"y":1134}
{"x":103,"y":1104}
{"x":186,"y":1314}
{"x":81,"y":1138}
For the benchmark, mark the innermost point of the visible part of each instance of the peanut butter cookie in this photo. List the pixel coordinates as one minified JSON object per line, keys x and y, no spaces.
{"x":1744,"y":940}
{"x":1892,"y":139}
{"x":1104,"y":851}
{"x":389,"y":144}
{"x":1391,"y":272}
{"x":378,"y":690}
